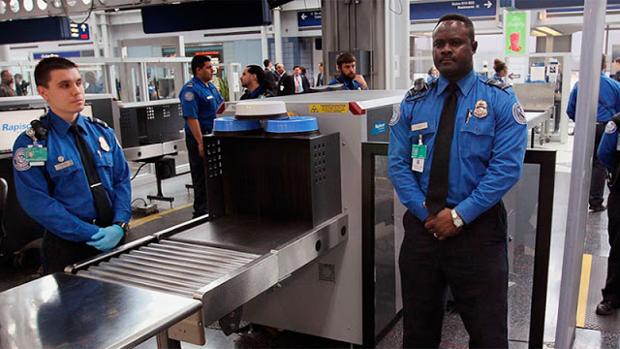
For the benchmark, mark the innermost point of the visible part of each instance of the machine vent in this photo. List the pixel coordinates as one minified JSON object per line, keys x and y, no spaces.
{"x":319,"y":161}
{"x":213,"y":155}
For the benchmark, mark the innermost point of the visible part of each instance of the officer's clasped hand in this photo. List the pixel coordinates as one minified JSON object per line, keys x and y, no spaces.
{"x":441,"y":225}
{"x":106,"y":238}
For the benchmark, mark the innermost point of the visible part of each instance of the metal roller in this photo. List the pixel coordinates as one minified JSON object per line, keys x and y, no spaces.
{"x":190,"y":279}
{"x":146,"y":276}
{"x":166,"y":268}
{"x":111,"y":277}
{"x":218,"y":254}
{"x":209,"y":248}
{"x":196,"y":255}
{"x":166,"y":256}
{"x":175,"y":264}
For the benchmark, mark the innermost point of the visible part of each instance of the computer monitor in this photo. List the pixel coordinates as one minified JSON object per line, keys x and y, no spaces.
{"x":13,"y":123}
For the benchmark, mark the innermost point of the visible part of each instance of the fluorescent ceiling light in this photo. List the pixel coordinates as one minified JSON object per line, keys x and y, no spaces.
{"x":548,"y":30}
{"x":537,"y":33}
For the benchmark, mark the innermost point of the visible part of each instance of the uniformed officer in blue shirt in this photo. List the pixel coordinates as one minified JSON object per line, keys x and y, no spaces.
{"x":609,"y":155}
{"x":456,"y":147}
{"x":346,"y":65}
{"x":200,"y":101}
{"x":608,"y":105}
{"x":70,"y":173}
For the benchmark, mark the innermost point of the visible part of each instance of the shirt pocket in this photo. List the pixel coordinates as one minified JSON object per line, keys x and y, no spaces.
{"x":67,"y":178}
{"x":105,"y":168}
{"x":477,"y":138}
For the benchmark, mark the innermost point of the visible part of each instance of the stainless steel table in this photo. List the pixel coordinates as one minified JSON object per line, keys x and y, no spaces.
{"x":69,"y":311}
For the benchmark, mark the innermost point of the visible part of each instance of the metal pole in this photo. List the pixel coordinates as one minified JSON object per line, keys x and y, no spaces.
{"x":264,"y":46}
{"x":589,"y":73}
{"x":277,"y":34}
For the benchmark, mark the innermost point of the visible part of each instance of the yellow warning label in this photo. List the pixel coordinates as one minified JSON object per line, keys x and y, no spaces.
{"x":328,"y":108}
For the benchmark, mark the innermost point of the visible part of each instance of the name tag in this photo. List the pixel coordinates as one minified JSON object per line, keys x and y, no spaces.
{"x":62,"y":165}
{"x":209,"y":97}
{"x":420,"y":126}
{"x":418,"y":155}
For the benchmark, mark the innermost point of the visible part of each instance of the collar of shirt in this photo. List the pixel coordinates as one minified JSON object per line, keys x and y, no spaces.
{"x":61,"y":126}
{"x":465,"y":84}
{"x":200,"y":82}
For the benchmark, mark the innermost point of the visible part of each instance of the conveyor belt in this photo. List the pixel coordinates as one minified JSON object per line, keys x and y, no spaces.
{"x":170,"y":266}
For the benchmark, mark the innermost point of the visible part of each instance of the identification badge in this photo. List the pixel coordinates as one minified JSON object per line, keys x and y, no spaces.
{"x":103,"y":144}
{"x":418,"y":155}
{"x":36,"y":156}
{"x":63,"y":165}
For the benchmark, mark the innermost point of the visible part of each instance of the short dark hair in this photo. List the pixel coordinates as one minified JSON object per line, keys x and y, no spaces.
{"x":266,"y":63}
{"x":456,"y":17}
{"x":3,"y":72}
{"x":46,"y":65}
{"x":498,"y":65}
{"x":258,"y":71}
{"x":345,"y":57}
{"x":199,"y":61}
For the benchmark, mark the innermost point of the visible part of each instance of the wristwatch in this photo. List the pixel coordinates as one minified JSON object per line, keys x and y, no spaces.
{"x":456,"y":220}
{"x":124,"y":226}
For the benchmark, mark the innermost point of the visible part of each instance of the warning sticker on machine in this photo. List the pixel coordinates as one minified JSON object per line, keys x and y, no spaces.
{"x":328,"y":108}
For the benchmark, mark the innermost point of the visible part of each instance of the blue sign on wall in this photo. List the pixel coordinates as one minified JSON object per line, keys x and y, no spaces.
{"x":469,"y":8}
{"x":64,"y":54}
{"x":307,"y":19}
{"x":545,"y":4}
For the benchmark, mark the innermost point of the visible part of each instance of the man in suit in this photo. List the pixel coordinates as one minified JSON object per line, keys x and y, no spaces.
{"x":319,"y":78}
{"x":271,"y":80}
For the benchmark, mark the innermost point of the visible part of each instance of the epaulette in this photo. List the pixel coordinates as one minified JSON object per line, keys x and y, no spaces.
{"x":419,"y":89}
{"x":97,"y":121}
{"x":497,"y":83}
{"x":616,"y":120}
{"x":189,"y":84}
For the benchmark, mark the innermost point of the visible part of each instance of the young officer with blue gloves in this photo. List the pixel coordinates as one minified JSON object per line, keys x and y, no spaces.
{"x":200,"y":101}
{"x":456,"y":147}
{"x":70,"y":173}
{"x":609,"y":155}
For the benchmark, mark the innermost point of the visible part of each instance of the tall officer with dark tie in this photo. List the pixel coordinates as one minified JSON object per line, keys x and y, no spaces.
{"x":609,"y":155}
{"x":456,"y":147}
{"x":70,"y":173}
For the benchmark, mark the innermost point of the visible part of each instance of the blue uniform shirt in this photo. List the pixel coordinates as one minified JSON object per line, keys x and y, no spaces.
{"x":57,"y":195}
{"x":609,"y":146}
{"x":200,"y":101}
{"x":487,"y":150}
{"x":608,"y":100}
{"x":349,"y":84}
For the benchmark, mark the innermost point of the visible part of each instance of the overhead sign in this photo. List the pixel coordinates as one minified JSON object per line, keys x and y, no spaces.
{"x":469,"y":8}
{"x":64,"y":54}
{"x":516,"y":32}
{"x":308,"y":19}
{"x":546,"y":4}
{"x":79,"y":31}
{"x":579,"y":9}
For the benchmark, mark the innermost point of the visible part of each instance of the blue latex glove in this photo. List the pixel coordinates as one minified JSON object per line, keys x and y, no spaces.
{"x":106,"y":238}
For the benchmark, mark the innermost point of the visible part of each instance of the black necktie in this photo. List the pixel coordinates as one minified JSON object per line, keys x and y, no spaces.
{"x":103,"y":205}
{"x":438,"y":180}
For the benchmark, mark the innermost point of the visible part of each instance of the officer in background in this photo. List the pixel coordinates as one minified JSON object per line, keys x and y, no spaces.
{"x":608,"y":105}
{"x":345,"y":63}
{"x":70,"y":173}
{"x":255,"y":83}
{"x":609,"y":155}
{"x":200,"y":101}
{"x":456,"y":147}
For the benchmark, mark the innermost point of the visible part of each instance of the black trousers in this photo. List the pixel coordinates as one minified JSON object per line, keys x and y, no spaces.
{"x":57,"y":253}
{"x":599,"y":172}
{"x":475,"y":266}
{"x":197,"y":168}
{"x":612,"y":285}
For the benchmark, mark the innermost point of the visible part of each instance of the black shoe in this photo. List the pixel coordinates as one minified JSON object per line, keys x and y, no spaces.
{"x":606,"y":307}
{"x":598,"y":208}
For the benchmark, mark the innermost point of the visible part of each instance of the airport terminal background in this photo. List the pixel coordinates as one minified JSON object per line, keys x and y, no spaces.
{"x":134,"y":64}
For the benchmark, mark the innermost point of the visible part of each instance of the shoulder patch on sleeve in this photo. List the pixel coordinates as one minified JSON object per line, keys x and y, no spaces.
{"x":611,"y":127}
{"x":97,"y":121}
{"x":518,"y":114}
{"x":395,"y":116}
{"x":19,"y":160}
{"x":188,"y":96}
{"x":496,"y":83}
